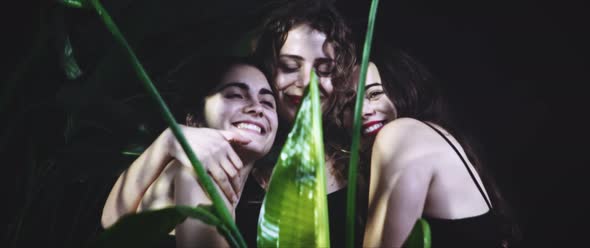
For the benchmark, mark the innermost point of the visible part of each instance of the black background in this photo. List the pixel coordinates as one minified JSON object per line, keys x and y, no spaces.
{"x":514,"y":71}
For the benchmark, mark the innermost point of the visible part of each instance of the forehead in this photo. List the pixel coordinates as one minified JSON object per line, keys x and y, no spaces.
{"x":307,"y":42}
{"x":247,"y":74}
{"x":373,"y":75}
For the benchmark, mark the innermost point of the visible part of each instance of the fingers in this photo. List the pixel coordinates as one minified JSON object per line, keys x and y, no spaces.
{"x":234,"y":159}
{"x":227,"y":165}
{"x":233,"y":174}
{"x":235,"y":138}
{"x":223,"y":181}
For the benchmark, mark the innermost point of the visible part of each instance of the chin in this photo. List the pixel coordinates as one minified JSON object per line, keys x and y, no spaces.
{"x":250,"y":153}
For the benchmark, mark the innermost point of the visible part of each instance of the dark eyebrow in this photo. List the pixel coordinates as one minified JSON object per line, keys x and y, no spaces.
{"x":240,"y":85}
{"x":244,"y":86}
{"x":264,"y":91}
{"x":371,"y":85}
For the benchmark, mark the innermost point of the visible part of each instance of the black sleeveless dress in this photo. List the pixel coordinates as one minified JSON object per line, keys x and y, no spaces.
{"x":477,"y":231}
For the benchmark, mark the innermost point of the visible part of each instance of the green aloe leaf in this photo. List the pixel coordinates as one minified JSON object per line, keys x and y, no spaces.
{"x":420,"y":235}
{"x":356,"y":130}
{"x":295,"y":212}
{"x":147,"y":228}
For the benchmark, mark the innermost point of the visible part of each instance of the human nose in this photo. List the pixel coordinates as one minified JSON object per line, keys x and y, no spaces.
{"x":368,"y":109}
{"x":254,"y":108}
{"x":303,"y":77}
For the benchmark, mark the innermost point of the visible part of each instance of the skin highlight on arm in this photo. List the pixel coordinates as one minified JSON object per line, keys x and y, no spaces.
{"x":126,"y":194}
{"x":401,"y":173}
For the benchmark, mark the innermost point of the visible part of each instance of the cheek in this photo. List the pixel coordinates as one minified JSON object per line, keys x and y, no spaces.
{"x":216,"y":113}
{"x":283,"y":80}
{"x":389,"y":109}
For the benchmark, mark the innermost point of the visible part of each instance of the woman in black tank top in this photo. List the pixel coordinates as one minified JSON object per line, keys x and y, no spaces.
{"x":420,"y":167}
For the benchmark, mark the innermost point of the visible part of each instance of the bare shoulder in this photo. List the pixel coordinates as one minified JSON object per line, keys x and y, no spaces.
{"x":404,"y":142}
{"x":403,"y":133}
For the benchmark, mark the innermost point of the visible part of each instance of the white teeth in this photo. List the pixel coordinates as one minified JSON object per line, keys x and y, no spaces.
{"x":373,"y":127}
{"x":249,"y":126}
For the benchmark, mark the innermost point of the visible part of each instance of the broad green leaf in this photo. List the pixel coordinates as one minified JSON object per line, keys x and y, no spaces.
{"x":420,"y":235}
{"x":295,"y":212}
{"x":147,"y":228}
{"x":356,"y":130}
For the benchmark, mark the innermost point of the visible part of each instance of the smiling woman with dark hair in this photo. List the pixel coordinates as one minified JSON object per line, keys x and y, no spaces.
{"x":231,"y":108}
{"x":420,"y":166}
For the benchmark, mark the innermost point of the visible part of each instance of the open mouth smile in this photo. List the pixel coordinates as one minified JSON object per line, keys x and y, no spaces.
{"x":372,"y":128}
{"x":250,"y":126}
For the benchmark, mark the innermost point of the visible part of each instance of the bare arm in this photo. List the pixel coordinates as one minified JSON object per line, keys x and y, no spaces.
{"x":400,"y":177}
{"x":189,"y":192}
{"x":211,"y":146}
{"x":130,"y":187}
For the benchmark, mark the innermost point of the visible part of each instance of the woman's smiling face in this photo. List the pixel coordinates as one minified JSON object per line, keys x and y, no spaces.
{"x":305,"y":48}
{"x":378,"y":109}
{"x":244,"y":103}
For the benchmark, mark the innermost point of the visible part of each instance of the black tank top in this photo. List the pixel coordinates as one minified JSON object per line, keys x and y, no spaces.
{"x":477,"y":231}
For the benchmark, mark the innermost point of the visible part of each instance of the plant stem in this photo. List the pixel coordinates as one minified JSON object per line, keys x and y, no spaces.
{"x":204,"y":179}
{"x":356,"y":131}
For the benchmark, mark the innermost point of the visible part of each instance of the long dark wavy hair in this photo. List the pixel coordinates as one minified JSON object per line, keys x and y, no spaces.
{"x":416,"y":94}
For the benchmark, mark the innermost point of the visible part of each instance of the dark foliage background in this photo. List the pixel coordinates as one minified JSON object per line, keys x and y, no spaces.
{"x":514,"y":72}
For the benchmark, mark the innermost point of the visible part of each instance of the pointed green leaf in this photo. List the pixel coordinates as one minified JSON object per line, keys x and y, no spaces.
{"x":145,"y":229}
{"x":420,"y":235}
{"x":295,"y":212}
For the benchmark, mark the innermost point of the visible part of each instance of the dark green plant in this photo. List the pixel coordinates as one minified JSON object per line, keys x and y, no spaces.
{"x":356,"y":130}
{"x":149,"y":227}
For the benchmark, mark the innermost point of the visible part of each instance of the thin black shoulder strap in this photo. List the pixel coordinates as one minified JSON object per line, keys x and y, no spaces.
{"x":464,"y":162}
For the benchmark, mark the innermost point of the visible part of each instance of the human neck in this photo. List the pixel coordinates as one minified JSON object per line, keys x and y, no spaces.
{"x":334,"y":180}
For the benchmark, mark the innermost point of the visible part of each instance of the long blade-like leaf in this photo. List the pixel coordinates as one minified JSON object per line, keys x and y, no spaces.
{"x":202,"y":175}
{"x":294,"y":212}
{"x":147,"y":228}
{"x":356,"y":130}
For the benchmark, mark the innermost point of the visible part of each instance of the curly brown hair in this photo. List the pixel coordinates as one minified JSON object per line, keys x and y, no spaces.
{"x":319,"y":15}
